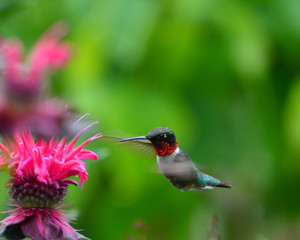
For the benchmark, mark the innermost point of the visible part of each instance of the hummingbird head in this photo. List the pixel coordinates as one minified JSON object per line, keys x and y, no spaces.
{"x":161,"y":134}
{"x":162,"y":138}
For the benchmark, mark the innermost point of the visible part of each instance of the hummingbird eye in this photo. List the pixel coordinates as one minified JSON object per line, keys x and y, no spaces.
{"x":163,"y":136}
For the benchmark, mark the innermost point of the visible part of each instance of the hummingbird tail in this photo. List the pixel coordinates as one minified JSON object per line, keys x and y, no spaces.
{"x":223,"y":185}
{"x":208,"y":182}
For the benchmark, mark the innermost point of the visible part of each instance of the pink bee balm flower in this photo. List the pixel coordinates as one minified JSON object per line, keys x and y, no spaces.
{"x":22,"y":94}
{"x":23,"y":81}
{"x":40,"y":170}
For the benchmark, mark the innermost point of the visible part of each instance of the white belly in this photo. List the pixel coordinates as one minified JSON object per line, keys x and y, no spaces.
{"x":177,"y":170}
{"x":168,"y":159}
{"x":169,"y":165}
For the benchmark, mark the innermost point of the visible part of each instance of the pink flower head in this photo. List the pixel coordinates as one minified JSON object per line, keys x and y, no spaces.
{"x":40,"y":172}
{"x":23,"y":81}
{"x":21,"y":97}
{"x":38,"y":224}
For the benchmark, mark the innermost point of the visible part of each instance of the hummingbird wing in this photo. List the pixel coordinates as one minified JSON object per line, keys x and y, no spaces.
{"x":144,"y":147}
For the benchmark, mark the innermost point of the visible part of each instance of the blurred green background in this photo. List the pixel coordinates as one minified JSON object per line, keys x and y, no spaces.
{"x":224,"y":75}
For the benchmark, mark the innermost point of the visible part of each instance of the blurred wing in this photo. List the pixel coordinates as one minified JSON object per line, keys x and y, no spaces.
{"x":141,"y":146}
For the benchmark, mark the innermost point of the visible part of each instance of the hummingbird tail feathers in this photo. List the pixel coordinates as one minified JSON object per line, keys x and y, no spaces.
{"x":223,"y":185}
{"x":209,"y":182}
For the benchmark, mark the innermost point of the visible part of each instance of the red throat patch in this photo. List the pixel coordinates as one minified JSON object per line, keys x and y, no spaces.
{"x":163,"y":148}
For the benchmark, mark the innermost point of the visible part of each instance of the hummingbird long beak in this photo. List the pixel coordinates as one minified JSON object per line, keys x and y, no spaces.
{"x":134,"y":138}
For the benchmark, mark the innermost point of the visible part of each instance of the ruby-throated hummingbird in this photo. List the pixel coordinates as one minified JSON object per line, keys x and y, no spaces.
{"x":174,"y":163}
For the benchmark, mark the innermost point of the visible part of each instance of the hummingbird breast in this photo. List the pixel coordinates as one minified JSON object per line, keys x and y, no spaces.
{"x":177,"y":169}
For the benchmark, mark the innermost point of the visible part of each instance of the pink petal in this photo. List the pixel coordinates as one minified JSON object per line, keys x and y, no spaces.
{"x":86,"y":154}
{"x":70,"y":181}
{"x":13,"y":54}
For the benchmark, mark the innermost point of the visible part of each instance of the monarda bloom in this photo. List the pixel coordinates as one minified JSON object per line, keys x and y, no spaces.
{"x":24,"y":83}
{"x":39,"y":181}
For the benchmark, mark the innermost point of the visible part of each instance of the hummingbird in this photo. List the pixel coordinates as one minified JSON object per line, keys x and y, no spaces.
{"x":174,"y":163}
